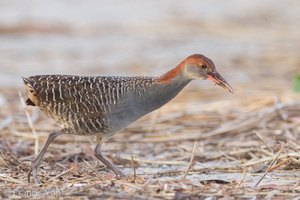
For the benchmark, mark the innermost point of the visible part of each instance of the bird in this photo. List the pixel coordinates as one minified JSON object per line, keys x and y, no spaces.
{"x":102,"y":106}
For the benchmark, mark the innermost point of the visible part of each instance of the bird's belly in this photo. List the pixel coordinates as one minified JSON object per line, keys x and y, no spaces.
{"x":78,"y":123}
{"x":121,"y":117}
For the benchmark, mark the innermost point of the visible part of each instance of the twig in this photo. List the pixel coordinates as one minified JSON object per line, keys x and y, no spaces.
{"x":256,"y":118}
{"x":262,"y":138}
{"x":59,"y":175}
{"x":10,"y":180}
{"x":280,"y":164}
{"x":129,"y":184}
{"x":296,"y":184}
{"x":134,"y":170}
{"x":261,"y":161}
{"x":2,"y":160}
{"x":243,"y":176}
{"x":167,"y":136}
{"x":157,"y":162}
{"x":36,"y":145}
{"x":295,"y":155}
{"x":191,"y":160}
{"x":96,"y":172}
{"x":274,"y":160}
{"x":227,"y":156}
{"x":266,"y":152}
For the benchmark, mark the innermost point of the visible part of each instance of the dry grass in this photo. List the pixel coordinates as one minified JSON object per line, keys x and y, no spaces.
{"x":237,"y":138}
{"x":205,"y":144}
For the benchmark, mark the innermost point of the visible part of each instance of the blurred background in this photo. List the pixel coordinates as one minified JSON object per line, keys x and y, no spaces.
{"x":254,"y":44}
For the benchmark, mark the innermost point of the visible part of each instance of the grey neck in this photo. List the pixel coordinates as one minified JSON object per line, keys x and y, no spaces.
{"x":162,"y":93}
{"x":154,"y":96}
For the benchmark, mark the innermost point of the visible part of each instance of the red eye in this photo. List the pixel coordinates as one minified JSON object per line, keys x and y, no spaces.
{"x":203,"y":66}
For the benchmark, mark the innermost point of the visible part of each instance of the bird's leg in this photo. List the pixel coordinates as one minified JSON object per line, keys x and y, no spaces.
{"x":36,"y":162}
{"x":105,"y":161}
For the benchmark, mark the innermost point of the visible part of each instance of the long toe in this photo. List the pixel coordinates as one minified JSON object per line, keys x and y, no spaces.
{"x":35,"y":176}
{"x":28,"y":175}
{"x":36,"y":180}
{"x":120,"y":173}
{"x":116,"y":170}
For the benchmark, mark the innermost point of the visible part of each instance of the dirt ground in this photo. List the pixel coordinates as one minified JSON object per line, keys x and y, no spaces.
{"x":204,"y":144}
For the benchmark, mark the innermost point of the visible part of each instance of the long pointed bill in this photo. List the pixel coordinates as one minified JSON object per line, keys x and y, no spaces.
{"x":218,"y":79}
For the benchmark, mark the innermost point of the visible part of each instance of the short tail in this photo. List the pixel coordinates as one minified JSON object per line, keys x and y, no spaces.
{"x":29,"y":102}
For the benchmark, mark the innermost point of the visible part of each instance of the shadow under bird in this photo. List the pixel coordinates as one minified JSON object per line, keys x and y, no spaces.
{"x":102,"y":106}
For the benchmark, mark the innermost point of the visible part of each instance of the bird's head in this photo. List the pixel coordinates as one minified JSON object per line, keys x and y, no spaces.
{"x":197,"y":66}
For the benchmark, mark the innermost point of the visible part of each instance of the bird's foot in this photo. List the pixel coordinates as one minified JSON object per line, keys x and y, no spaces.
{"x":33,"y":169}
